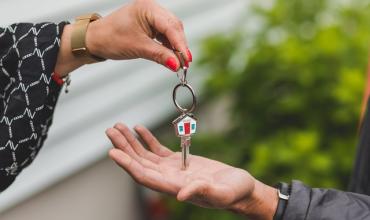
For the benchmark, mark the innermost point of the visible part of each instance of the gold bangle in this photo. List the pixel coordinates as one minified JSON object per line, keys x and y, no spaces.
{"x":78,"y":38}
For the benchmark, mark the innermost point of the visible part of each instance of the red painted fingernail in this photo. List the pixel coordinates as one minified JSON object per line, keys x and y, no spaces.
{"x":171,"y":64}
{"x":186,"y":64}
{"x":189,"y":55}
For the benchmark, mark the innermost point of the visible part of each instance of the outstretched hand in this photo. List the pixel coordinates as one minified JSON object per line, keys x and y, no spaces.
{"x":207,"y":183}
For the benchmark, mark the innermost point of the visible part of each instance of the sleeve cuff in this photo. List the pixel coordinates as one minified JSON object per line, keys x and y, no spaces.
{"x":299,"y":201}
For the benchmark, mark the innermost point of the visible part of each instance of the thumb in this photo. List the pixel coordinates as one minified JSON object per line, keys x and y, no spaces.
{"x":195,"y":188}
{"x":156,"y":52}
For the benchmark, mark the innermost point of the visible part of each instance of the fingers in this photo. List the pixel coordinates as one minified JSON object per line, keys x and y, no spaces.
{"x":119,"y":141}
{"x":136,"y":145}
{"x":152,"y":142}
{"x":196,"y":188}
{"x":147,"y":177}
{"x":163,"y":40}
{"x":156,"y":52}
{"x":172,"y":28}
{"x":135,"y":169}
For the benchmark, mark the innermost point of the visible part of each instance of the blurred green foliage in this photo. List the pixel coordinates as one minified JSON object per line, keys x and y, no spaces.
{"x":296,"y":86}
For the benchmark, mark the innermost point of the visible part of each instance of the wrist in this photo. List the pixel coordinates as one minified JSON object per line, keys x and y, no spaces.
{"x":94,"y":39}
{"x":66,"y":61}
{"x":260,"y":205}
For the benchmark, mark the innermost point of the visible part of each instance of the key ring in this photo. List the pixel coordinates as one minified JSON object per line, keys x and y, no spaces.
{"x":179,"y":108}
{"x":181,"y":75}
{"x":183,"y":83}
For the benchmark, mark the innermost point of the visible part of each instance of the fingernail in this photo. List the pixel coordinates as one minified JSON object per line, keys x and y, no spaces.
{"x":171,"y":64}
{"x":186,"y":64}
{"x":189,"y":55}
{"x":137,"y":127}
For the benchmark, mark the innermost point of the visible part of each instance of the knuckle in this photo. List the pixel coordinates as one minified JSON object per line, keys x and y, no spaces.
{"x":124,"y":144}
{"x":118,"y":125}
{"x":175,"y":24}
{"x":130,"y":139}
{"x":181,"y":25}
{"x":228,"y":200}
{"x":112,"y":133}
{"x":157,"y":55}
{"x":140,"y":4}
{"x":139,"y":178}
{"x":152,"y":142}
{"x":204,"y":192}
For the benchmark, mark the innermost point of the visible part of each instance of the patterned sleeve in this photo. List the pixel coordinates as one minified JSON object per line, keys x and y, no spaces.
{"x":28,"y":95}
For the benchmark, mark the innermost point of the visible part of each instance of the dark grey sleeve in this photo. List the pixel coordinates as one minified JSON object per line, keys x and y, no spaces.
{"x":329,"y":204}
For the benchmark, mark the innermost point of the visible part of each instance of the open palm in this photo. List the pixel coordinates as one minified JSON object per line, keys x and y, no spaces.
{"x":207,"y":183}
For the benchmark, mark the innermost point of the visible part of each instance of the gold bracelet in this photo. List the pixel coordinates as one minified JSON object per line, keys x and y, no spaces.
{"x":78,"y":38}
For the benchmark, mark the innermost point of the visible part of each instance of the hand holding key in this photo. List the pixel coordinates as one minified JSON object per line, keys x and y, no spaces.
{"x":159,"y":170}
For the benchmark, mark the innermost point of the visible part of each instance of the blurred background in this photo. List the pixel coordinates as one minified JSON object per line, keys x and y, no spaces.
{"x":280,"y":86}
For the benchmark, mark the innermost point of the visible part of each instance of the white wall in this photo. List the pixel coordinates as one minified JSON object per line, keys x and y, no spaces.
{"x":100,"y":192}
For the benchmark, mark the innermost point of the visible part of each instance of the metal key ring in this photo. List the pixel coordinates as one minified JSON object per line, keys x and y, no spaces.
{"x":181,"y":75}
{"x":179,"y":108}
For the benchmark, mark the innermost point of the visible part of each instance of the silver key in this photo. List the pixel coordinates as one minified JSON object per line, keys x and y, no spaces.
{"x":185,"y":126}
{"x":185,"y":151}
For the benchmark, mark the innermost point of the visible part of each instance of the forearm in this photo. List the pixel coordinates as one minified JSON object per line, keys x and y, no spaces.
{"x":261,"y":205}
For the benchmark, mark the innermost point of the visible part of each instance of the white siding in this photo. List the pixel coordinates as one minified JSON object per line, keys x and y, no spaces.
{"x":135,"y":92}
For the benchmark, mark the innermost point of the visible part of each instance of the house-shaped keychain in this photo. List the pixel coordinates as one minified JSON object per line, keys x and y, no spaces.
{"x":185,"y":125}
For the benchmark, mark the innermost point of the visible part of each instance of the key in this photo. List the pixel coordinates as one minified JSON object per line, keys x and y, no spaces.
{"x":185,"y":126}
{"x":185,"y":150}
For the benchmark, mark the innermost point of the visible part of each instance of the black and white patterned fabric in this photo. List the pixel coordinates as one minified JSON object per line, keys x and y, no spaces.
{"x":28,"y":95}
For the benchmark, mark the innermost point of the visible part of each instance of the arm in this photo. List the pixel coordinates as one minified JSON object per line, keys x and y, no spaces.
{"x":32,"y":55}
{"x":314,"y":204}
{"x":27,"y":94}
{"x":212,"y":184}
